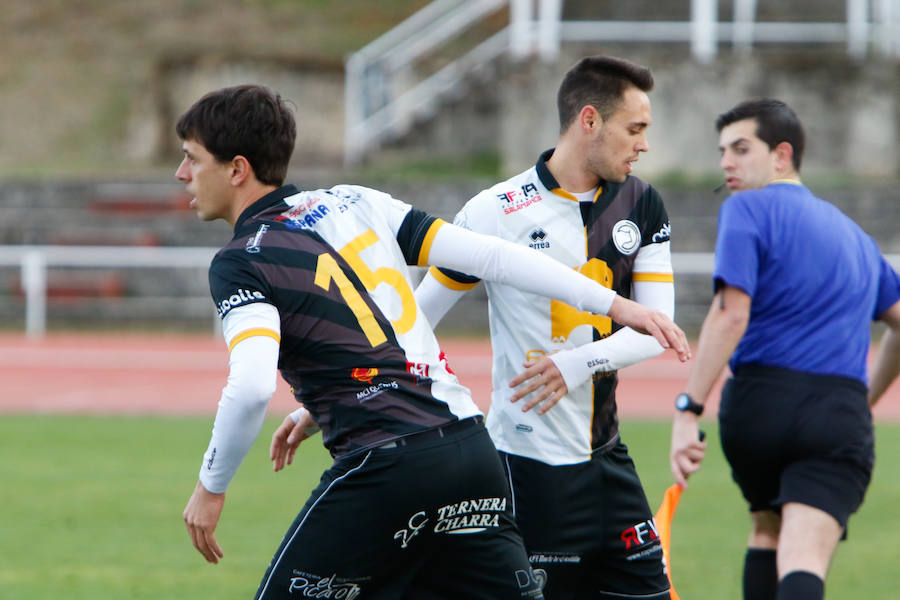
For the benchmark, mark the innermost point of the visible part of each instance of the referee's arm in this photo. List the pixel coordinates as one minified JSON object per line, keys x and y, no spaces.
{"x":887,"y":363}
{"x":722,"y":329}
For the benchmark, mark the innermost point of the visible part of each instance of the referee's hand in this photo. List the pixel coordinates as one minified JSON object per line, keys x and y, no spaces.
{"x":688,"y":447}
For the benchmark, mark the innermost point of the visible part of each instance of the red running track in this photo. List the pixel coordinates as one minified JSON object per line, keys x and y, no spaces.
{"x":172,"y":374}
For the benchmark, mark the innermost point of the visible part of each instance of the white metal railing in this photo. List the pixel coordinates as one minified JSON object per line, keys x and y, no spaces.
{"x":34,"y":261}
{"x":381,"y":100}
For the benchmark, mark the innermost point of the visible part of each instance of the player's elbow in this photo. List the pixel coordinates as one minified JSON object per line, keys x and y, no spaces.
{"x":258,"y":392}
{"x":251,"y":394}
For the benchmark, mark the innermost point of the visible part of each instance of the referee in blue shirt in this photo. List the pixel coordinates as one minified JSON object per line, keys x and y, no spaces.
{"x":797,"y":284}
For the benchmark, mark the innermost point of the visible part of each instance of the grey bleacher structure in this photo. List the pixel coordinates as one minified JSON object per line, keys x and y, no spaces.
{"x":136,"y":216}
{"x":403,"y":94}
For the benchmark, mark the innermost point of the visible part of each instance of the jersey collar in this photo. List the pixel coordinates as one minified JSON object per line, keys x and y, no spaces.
{"x":549,"y":181}
{"x":266,"y":202}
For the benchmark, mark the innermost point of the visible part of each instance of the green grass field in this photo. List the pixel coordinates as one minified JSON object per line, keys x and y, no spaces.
{"x":91,"y":508}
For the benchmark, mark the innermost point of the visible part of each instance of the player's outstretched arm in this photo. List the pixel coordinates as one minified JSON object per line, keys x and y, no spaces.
{"x":651,"y":322}
{"x":494,"y":259}
{"x":547,"y":380}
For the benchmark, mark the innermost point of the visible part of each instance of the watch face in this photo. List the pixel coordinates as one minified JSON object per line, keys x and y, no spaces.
{"x":681,"y":402}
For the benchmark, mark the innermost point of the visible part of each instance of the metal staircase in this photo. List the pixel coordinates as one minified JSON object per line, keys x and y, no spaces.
{"x":388,"y":86}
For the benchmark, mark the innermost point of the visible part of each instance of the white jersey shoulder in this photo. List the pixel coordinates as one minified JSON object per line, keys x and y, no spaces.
{"x":365,"y":235}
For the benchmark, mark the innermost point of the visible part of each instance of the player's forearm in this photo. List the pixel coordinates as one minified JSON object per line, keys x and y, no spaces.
{"x":621,"y":349}
{"x":242,"y":409}
{"x":497,"y":260}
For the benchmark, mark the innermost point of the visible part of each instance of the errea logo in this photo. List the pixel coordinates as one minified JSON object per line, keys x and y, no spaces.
{"x":241,"y":296}
{"x":538,"y":239}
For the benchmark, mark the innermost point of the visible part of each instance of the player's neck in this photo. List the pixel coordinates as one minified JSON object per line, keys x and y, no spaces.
{"x":245,"y":196}
{"x":566,"y":166}
{"x":787,"y":176}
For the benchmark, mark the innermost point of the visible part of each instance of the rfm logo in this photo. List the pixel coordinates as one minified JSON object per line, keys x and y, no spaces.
{"x":640,"y":534}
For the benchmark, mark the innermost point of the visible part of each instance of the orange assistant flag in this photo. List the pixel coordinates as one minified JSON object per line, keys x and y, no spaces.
{"x":663,"y":520}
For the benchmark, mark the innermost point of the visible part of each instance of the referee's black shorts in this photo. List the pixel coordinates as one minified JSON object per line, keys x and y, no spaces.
{"x":792,"y":436}
{"x":428,"y":518}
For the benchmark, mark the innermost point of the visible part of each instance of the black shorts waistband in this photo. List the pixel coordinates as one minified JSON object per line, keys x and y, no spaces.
{"x":794,"y":376}
{"x":430,"y":435}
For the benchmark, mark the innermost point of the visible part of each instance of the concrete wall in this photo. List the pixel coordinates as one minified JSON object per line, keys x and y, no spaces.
{"x":851,"y":111}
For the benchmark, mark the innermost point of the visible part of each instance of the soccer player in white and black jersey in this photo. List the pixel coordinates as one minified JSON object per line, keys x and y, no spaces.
{"x":315,"y":284}
{"x":576,"y":494}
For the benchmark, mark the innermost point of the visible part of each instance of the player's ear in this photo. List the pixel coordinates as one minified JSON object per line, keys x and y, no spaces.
{"x":240,"y":170}
{"x":589,"y":118}
{"x":784,"y":157}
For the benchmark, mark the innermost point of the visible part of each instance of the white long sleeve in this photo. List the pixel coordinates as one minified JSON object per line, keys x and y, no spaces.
{"x":252,"y":376}
{"x":494,"y":259}
{"x":621,"y":349}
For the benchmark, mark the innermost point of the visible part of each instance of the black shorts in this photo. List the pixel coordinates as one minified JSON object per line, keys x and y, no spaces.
{"x":791,"y":436}
{"x":428,"y":519}
{"x":589,"y":527}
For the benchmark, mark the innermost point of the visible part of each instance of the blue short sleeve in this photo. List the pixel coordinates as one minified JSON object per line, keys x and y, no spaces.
{"x":738,"y":246}
{"x":888,"y":289}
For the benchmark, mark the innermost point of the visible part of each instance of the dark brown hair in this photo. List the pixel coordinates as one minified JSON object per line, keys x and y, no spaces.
{"x":247,"y":120}
{"x":776,"y":122}
{"x":598,"y":81}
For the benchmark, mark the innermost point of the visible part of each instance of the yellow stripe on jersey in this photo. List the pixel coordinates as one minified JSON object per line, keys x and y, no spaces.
{"x":659,"y":277}
{"x":450,"y":283}
{"x":425,"y":250}
{"x":253,"y":333}
{"x":787,"y":180}
{"x":564,"y":194}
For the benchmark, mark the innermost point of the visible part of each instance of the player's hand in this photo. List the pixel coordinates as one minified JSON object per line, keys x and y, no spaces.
{"x":688,"y":447}
{"x":287,"y":438}
{"x":201,"y":515}
{"x":542,"y":379}
{"x":651,"y":322}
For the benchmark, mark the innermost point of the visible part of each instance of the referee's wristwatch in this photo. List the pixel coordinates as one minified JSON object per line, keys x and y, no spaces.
{"x":683,"y":402}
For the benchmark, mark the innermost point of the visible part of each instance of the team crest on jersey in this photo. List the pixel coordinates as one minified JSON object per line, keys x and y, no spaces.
{"x":626,"y":237}
{"x":365,"y":374}
{"x":538,"y":239}
{"x":254,"y":242}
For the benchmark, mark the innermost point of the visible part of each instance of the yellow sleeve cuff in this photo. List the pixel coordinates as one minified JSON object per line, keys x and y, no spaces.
{"x":253,"y":333}
{"x":425,"y":250}
{"x":658,"y":277}
{"x":450,"y":283}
